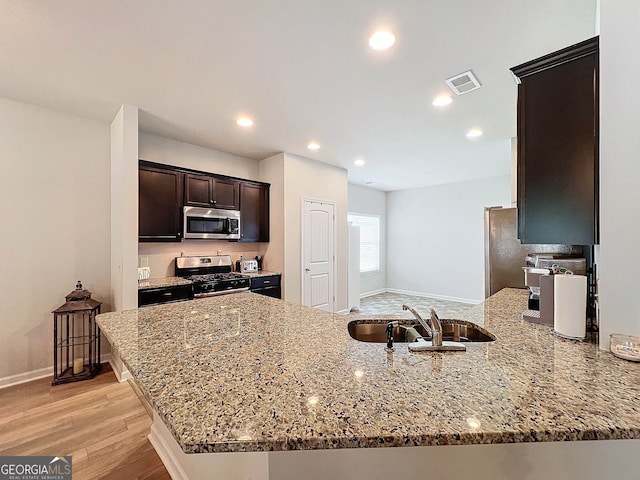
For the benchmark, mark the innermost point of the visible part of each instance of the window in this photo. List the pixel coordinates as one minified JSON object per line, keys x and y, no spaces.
{"x":369,"y":240}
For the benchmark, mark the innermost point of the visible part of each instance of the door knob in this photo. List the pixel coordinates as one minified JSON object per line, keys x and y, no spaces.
{"x":307,"y":269}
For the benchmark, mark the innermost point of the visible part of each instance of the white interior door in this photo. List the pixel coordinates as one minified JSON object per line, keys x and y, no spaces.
{"x":318,"y":258}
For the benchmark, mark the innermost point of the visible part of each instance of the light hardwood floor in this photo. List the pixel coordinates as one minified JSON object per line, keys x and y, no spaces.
{"x":99,"y":422}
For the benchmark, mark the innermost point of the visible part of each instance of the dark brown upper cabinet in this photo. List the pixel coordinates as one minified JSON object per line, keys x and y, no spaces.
{"x":159,"y":205}
{"x":211,"y":191}
{"x":198,"y":190}
{"x":165,"y":189}
{"x":254,"y":212}
{"x":557,"y":147}
{"x":226,"y":193}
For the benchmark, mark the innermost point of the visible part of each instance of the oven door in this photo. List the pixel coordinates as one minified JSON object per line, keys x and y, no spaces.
{"x":210,"y":223}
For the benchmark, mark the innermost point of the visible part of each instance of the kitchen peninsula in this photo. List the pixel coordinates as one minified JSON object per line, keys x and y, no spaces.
{"x":289,"y":388}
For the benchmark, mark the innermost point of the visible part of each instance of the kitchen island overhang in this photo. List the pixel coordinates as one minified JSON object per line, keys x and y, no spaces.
{"x":291,"y":378}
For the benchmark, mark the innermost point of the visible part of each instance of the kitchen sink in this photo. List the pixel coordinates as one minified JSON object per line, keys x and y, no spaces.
{"x":375,"y":331}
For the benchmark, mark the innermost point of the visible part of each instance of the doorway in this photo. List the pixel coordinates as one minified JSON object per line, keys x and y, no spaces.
{"x":318,"y":254}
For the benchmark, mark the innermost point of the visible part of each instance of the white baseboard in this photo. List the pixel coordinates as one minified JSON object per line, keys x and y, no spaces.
{"x":25,"y":377}
{"x":433,"y":295}
{"x":373,"y":292}
{"x":205,"y":466}
{"x":161,"y":446}
{"x":119,"y":368}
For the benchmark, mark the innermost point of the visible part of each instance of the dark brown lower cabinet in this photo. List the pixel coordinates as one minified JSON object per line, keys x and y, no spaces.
{"x":268,"y":285}
{"x":157,"y":296}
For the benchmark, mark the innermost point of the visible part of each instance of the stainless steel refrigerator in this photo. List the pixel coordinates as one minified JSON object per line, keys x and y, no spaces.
{"x":504,"y":255}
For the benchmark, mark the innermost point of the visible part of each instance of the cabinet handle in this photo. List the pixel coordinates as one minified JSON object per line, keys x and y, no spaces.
{"x":267,"y":281}
{"x":166,"y":294}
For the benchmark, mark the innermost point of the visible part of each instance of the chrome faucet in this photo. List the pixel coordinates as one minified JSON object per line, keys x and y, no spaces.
{"x":436,"y":326}
{"x":424,"y":324}
{"x":434,"y":330}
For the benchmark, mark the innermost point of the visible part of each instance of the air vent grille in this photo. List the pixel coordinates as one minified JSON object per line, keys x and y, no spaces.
{"x":463,"y":83}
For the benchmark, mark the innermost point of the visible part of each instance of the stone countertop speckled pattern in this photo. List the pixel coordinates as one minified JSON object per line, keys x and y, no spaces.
{"x":162,"y":282}
{"x":291,"y":378}
{"x":261,"y":273}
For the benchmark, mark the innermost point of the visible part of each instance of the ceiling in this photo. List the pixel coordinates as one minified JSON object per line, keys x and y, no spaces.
{"x":302,"y":69}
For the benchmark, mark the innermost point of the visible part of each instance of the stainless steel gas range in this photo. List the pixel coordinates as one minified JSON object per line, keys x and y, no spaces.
{"x":211,"y":275}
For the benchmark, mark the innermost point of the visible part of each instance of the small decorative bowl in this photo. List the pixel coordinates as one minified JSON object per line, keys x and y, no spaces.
{"x":625,"y":346}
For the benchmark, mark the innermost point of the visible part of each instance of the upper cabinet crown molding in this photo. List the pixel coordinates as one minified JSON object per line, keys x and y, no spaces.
{"x":559,"y":57}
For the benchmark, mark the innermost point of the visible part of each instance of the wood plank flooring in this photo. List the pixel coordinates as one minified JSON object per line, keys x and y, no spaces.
{"x":99,"y":422}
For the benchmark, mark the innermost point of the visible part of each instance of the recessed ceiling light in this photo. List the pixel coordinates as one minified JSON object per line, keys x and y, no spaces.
{"x":359,"y":162}
{"x":313,"y":146}
{"x":244,"y":122}
{"x":442,"y":100}
{"x":382,"y":40}
{"x":474,"y":133}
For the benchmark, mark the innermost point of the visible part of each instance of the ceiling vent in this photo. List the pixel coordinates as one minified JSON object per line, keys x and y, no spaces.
{"x":463,"y":83}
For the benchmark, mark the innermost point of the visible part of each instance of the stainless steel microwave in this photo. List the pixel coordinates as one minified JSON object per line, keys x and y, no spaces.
{"x":211,"y":223}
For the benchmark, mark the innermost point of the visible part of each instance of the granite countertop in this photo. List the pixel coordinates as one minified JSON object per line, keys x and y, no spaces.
{"x":162,"y":282}
{"x":176,"y":281}
{"x":245,"y":372}
{"x":261,"y":273}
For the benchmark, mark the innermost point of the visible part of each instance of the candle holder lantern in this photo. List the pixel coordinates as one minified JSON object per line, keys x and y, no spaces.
{"x":76,"y":338}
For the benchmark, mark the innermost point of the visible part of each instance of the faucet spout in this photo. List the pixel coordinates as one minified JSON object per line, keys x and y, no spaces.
{"x":424,"y":324}
{"x":436,"y":326}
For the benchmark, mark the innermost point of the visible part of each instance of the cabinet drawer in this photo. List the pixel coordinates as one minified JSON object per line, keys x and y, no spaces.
{"x":266,"y":281}
{"x":156,"y":296}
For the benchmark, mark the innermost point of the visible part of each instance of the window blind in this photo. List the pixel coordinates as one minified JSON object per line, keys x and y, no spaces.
{"x":369,"y":240}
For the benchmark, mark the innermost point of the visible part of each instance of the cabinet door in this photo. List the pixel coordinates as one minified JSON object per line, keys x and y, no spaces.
{"x":558,"y":149}
{"x":159,"y":205}
{"x":225,"y":193}
{"x":198,"y":190}
{"x":254,"y":212}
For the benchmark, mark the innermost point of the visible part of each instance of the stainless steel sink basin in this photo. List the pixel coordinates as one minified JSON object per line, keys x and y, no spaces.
{"x":375,"y":331}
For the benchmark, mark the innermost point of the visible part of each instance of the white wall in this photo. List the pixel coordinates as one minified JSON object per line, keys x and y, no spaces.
{"x":172,"y":152}
{"x":304,"y":178}
{"x":435,"y":237}
{"x":292,"y":179}
{"x":272,"y":171}
{"x":372,"y":202}
{"x":619,"y":169}
{"x":124,"y":208}
{"x":54,"y":192}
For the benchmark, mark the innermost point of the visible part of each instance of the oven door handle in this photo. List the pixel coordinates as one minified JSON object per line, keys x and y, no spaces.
{"x":220,"y":292}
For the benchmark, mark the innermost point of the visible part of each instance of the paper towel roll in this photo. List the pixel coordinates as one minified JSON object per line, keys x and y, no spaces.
{"x":570,"y":305}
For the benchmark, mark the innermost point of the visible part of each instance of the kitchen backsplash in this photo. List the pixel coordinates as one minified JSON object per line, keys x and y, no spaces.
{"x":161,"y":256}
